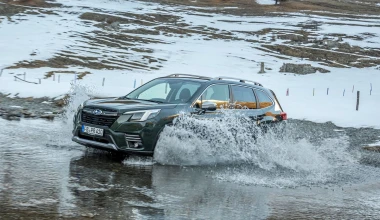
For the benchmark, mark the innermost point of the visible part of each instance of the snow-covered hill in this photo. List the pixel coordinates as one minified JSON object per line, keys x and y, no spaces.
{"x":127,"y":41}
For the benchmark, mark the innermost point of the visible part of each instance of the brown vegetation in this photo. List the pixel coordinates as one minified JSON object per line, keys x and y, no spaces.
{"x":34,"y":3}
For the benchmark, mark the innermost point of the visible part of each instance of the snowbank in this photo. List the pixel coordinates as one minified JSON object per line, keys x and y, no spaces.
{"x":265,"y":2}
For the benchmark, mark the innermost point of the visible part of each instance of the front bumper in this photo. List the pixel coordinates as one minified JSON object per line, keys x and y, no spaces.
{"x":82,"y":141}
{"x":120,"y":138}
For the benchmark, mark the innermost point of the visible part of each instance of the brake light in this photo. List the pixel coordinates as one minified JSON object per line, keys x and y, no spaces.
{"x":284,"y":116}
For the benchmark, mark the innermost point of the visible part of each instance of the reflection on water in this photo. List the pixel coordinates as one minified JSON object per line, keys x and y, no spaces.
{"x":43,"y":176}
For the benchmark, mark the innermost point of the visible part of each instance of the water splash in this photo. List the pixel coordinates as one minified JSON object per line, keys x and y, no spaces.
{"x":78,"y":93}
{"x":279,"y":156}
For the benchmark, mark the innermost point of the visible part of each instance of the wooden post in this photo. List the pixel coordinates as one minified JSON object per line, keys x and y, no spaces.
{"x":24,"y":75}
{"x":39,"y":81}
{"x":353,"y":87}
{"x":357,"y":100}
{"x":370,"y":91}
{"x":75,"y":78}
{"x":53,"y":77}
{"x":327,"y":91}
{"x":59,"y":78}
{"x":287,"y":92}
{"x":313,"y":91}
{"x":262,"y":68}
{"x":344,"y":91}
{"x":103,"y":81}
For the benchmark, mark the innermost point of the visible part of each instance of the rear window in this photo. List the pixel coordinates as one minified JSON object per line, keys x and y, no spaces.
{"x":263,"y":98}
{"x":244,"y":97}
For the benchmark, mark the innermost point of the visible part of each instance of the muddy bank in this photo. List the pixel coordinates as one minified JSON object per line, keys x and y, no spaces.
{"x":17,"y":108}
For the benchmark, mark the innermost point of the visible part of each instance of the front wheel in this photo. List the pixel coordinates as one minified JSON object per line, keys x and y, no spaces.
{"x":117,"y":156}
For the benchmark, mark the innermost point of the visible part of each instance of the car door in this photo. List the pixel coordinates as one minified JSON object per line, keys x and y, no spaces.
{"x":245,"y":102}
{"x":219,"y":94}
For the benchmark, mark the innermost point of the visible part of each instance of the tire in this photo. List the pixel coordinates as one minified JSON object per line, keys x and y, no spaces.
{"x":117,"y":156}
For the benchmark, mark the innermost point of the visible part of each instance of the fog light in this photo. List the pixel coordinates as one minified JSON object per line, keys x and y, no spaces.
{"x":136,"y":145}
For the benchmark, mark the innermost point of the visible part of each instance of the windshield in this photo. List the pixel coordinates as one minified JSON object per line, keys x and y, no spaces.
{"x":166,"y":91}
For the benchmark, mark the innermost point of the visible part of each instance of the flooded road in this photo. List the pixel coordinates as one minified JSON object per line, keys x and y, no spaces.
{"x":43,"y":175}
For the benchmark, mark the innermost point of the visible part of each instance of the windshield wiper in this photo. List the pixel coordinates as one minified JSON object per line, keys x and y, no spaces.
{"x":156,"y":101}
{"x":124,"y":97}
{"x":148,"y":100}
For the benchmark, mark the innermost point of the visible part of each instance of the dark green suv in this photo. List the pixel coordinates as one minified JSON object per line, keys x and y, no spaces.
{"x":131,"y":124}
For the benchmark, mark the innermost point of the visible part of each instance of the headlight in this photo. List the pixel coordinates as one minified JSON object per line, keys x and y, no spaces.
{"x":143,"y":115}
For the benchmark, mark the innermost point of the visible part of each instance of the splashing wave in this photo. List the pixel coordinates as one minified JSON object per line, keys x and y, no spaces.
{"x":257,"y":156}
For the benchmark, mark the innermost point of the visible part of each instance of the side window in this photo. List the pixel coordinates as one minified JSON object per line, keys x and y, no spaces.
{"x":264,"y":100}
{"x":243,"y":97}
{"x":219,"y":94}
{"x":189,"y":88}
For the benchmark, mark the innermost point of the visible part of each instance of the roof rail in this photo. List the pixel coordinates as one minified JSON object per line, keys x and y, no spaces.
{"x":188,"y":76}
{"x":240,"y":80}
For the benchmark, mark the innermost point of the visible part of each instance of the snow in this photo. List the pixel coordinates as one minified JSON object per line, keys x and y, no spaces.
{"x":194,"y":55}
{"x":374,"y":144}
{"x":265,"y":2}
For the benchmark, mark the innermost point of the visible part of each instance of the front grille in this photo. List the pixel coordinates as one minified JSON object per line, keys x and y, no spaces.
{"x":98,"y":119}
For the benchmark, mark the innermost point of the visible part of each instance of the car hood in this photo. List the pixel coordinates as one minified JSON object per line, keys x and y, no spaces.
{"x":123,"y":105}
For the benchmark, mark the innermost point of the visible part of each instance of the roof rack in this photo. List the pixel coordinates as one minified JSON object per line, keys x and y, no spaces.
{"x":240,"y":80}
{"x":188,"y":76}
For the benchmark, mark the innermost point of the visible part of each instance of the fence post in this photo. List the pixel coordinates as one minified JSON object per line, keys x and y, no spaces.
{"x":75,"y":78}
{"x":327,"y":91}
{"x":53,"y":77}
{"x":344,"y":91}
{"x":353,"y":87}
{"x":287,"y":92}
{"x":313,"y":91}
{"x":59,"y":78}
{"x":134,"y":85}
{"x":39,"y":81}
{"x":262,"y":68}
{"x":24,"y":75}
{"x":103,"y":81}
{"x":370,"y":91}
{"x":357,"y":100}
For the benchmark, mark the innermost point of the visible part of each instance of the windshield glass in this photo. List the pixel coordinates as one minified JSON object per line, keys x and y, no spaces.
{"x":166,"y":91}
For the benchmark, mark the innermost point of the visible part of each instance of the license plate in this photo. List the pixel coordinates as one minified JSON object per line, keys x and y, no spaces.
{"x":92,"y":130}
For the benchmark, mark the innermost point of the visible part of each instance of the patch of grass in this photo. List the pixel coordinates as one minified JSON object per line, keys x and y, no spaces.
{"x":82,"y":74}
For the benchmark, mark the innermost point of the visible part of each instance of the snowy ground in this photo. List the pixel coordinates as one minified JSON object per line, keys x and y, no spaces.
{"x":217,"y":45}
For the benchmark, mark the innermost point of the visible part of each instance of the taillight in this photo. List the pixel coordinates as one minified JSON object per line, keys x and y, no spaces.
{"x":284,"y":116}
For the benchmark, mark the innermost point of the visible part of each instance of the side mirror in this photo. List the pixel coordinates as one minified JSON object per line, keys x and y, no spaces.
{"x":209,"y":106}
